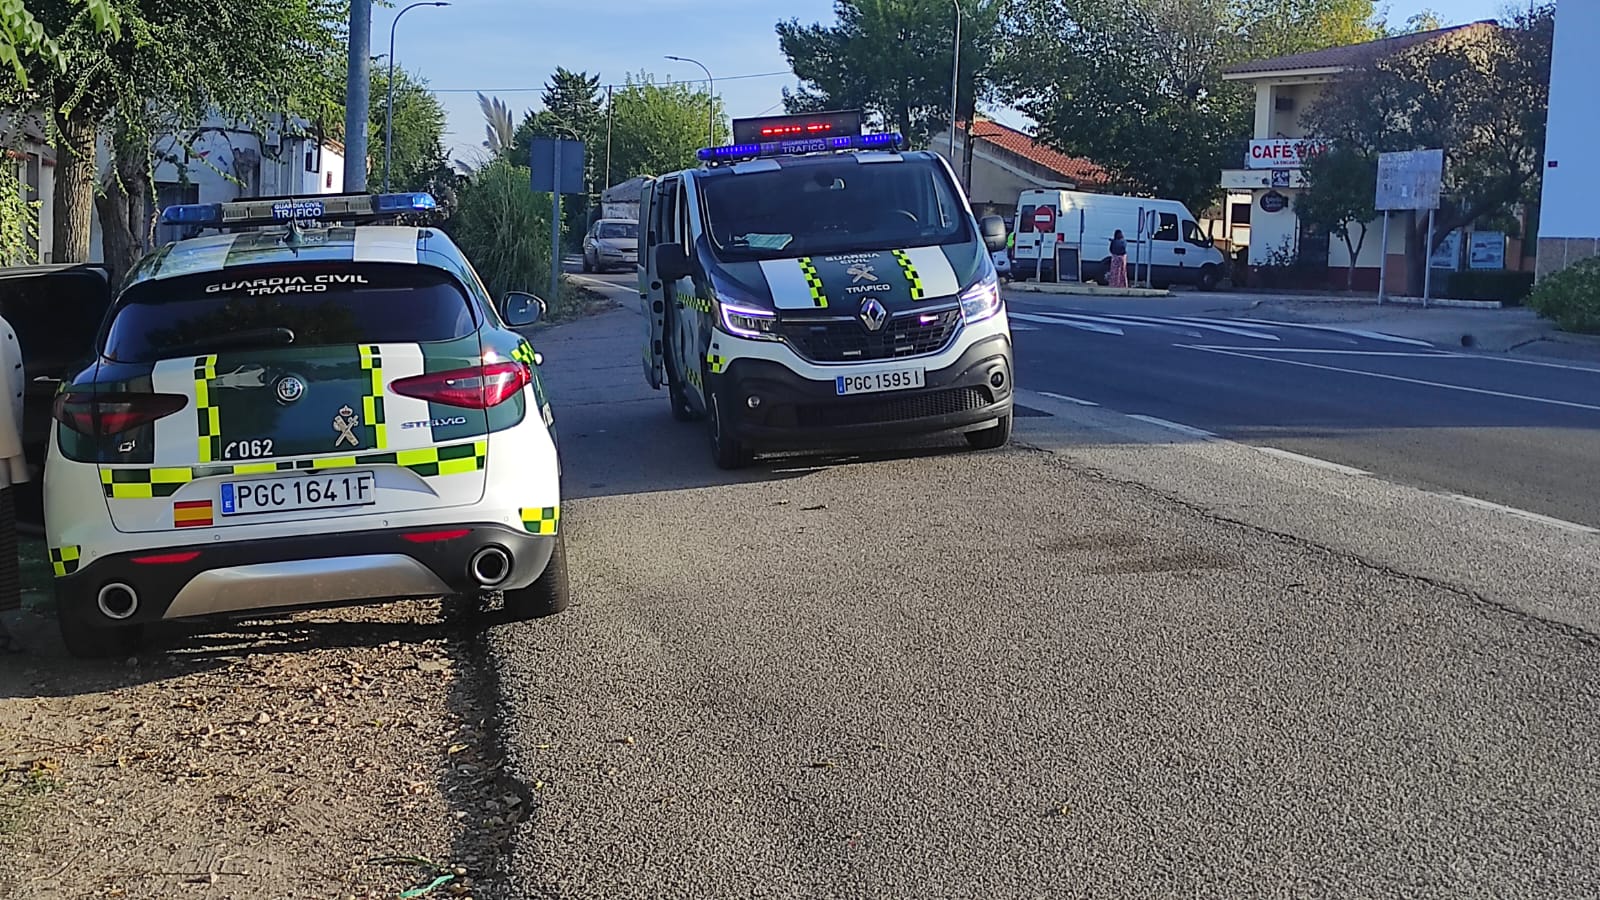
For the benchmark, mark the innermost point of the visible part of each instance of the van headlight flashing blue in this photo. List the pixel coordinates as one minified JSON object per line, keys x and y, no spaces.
{"x":982,"y":300}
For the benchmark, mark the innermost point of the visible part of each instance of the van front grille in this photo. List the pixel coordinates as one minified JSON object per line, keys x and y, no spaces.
{"x":847,"y":339}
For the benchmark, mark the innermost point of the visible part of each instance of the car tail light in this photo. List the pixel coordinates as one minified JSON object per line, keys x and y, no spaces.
{"x":168,"y":559}
{"x":478,"y":387}
{"x":105,"y":413}
{"x":434,"y":537}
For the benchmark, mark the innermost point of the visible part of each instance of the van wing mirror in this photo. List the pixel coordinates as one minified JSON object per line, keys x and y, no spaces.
{"x":993,"y":229}
{"x":672,"y":263}
{"x":521,"y":309}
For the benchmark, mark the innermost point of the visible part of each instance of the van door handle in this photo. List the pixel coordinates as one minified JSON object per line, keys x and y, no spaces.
{"x":1179,"y":250}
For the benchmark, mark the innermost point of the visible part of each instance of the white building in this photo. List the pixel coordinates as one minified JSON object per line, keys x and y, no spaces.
{"x":220,"y":161}
{"x":1271,"y":173}
{"x":1569,"y":225}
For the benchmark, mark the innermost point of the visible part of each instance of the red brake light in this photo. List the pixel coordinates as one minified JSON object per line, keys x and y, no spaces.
{"x":433,"y":537}
{"x":102,"y":414}
{"x":478,"y":387}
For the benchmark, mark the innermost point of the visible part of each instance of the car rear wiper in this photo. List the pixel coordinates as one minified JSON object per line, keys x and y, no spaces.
{"x":254,"y":337}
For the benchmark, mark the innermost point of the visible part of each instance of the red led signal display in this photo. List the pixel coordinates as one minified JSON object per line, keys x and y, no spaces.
{"x":789,"y":128}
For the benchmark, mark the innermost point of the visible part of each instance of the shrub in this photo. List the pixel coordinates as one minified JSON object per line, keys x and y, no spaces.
{"x":1571,"y":297}
{"x":1510,"y":288}
{"x":503,"y":227}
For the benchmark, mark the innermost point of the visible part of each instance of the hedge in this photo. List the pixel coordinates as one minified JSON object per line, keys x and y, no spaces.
{"x":1571,"y":297}
{"x":1510,"y":288}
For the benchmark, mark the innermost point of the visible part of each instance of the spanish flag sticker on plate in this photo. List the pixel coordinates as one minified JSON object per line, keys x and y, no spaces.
{"x":191,"y":514}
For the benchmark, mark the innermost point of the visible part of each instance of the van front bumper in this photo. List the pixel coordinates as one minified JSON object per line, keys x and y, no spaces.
{"x":794,"y":412}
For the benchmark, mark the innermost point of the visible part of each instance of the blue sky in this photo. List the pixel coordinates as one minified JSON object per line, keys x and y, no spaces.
{"x":508,"y":48}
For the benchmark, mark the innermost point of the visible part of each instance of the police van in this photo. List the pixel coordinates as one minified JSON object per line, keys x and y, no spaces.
{"x":325,"y":410}
{"x":811,"y":286}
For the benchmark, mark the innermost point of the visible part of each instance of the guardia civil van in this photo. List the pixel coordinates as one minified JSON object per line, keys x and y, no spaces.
{"x":323,"y":410}
{"x":812,"y":285}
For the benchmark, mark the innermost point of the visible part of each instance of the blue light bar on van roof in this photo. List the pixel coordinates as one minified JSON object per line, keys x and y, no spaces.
{"x":800,"y":145}
{"x":332,"y":208}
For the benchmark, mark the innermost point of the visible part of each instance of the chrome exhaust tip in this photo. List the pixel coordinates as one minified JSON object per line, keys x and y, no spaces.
{"x":490,"y":566}
{"x":117,"y":601}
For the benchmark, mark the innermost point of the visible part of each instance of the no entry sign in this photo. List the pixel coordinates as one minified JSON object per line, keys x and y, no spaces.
{"x":1044,"y":218}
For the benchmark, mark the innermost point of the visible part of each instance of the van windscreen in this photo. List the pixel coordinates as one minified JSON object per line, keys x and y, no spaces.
{"x":836,"y":206}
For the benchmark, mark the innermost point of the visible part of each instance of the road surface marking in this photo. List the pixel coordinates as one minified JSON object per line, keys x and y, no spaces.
{"x":1530,"y":362}
{"x":1313,"y":461}
{"x":1023,"y":327}
{"x":1066,"y":318}
{"x":605,"y":285}
{"x":1410,"y":353}
{"x":1358,"y":332}
{"x":1064,"y":398}
{"x":1086,"y":326}
{"x":1562,"y":524}
{"x":1208,"y":324}
{"x":1174,"y":426}
{"x":1437,"y":384}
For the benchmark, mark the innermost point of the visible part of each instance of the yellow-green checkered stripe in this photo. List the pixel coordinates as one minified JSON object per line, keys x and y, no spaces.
{"x":542,"y":520}
{"x":912,"y":279}
{"x":429,"y":462}
{"x":694,"y":302}
{"x":64,"y":560}
{"x":813,"y":282}
{"x":523,"y":353}
{"x":718,"y":364}
{"x":372,"y":401}
{"x":208,"y":417}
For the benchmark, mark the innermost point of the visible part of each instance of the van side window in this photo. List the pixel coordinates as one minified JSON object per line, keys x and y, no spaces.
{"x":1168,"y":230}
{"x":1192,"y":234}
{"x":1025,"y":219}
{"x":666,"y":214}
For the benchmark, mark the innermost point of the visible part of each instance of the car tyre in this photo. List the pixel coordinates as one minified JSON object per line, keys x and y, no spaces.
{"x":86,"y":641}
{"x":728,"y":451}
{"x":992,"y":438}
{"x":588,"y":267}
{"x":549,"y":594}
{"x":1209,"y":278}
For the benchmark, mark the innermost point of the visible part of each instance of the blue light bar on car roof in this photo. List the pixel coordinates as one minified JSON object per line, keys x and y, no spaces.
{"x":800,"y":145}
{"x":332,"y":208}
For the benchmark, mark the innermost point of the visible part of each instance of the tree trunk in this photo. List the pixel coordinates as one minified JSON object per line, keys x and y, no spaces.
{"x":74,"y":199}
{"x":124,"y":208}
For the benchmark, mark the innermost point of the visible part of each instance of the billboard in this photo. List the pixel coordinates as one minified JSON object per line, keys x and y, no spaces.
{"x":1410,"y":180}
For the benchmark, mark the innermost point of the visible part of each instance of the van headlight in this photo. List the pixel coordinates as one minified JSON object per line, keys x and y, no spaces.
{"x":982,"y":300}
{"x":748,"y":321}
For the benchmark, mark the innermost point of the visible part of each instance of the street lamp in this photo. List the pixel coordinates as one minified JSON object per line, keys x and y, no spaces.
{"x":711,"y":99}
{"x":955,"y":83}
{"x":388,"y":115}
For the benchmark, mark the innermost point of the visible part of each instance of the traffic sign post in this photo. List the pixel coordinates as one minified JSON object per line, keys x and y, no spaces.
{"x":557,"y":168}
{"x":1410,"y":181}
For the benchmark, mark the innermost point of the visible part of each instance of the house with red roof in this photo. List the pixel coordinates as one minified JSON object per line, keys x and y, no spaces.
{"x":1006,"y":162}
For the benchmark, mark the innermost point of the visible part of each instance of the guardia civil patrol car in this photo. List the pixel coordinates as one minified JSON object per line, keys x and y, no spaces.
{"x":309,"y":414}
{"x":812,"y":285}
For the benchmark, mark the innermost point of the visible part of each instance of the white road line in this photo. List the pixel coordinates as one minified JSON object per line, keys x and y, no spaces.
{"x":1174,"y":426}
{"x":1314,"y":350}
{"x":1208,"y":324}
{"x":1126,"y":322}
{"x":1065,"y":399}
{"x":1562,"y":524}
{"x":1530,"y":362}
{"x":1358,"y":332}
{"x":1085,"y":326}
{"x":604,"y":285}
{"x":1313,"y":461}
{"x":1017,"y":327}
{"x":1424,"y":382}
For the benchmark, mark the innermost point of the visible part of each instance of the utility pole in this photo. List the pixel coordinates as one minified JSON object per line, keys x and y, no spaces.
{"x":357,"y":97}
{"x":609,"y":117}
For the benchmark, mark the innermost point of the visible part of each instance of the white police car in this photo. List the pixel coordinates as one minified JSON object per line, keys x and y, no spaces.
{"x":304,"y":415}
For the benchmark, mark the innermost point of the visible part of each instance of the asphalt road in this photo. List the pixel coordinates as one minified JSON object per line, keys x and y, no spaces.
{"x":947,"y":674}
{"x":1502,"y":429}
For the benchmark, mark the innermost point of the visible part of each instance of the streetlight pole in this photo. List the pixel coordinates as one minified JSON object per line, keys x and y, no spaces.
{"x":388,"y":114}
{"x":955,"y":84}
{"x":711,"y":99}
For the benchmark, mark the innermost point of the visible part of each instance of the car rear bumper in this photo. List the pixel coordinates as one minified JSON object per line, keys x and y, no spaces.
{"x":181,"y":582}
{"x":799,"y":413}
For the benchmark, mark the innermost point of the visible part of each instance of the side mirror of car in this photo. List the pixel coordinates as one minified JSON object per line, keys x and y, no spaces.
{"x":521,"y":309}
{"x":672,"y":263}
{"x":993,"y":229}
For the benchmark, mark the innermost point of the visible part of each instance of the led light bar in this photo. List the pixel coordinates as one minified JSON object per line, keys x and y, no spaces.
{"x":795,"y":147}
{"x":839,"y":123}
{"x":331,"y":208}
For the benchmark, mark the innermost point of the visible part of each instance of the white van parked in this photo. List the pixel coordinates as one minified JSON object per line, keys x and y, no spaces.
{"x":1175,"y":248}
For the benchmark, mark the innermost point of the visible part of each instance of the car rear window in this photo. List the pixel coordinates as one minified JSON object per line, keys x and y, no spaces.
{"x":619,"y":230}
{"x":320,"y":304}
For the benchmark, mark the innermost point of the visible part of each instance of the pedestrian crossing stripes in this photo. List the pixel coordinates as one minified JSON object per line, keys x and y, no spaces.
{"x":1264,"y":333}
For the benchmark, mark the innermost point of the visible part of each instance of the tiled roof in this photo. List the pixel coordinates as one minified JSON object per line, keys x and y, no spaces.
{"x":1349,"y":56}
{"x":1083,"y":172}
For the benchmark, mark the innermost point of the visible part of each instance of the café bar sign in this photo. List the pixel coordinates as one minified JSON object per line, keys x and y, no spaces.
{"x":1282,"y":153}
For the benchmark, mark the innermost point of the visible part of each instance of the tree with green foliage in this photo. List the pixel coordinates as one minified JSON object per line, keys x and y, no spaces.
{"x":164,"y":74}
{"x":1137,"y":86}
{"x":892,"y":59}
{"x":499,"y":223}
{"x":419,"y":126}
{"x":1339,"y":199}
{"x":1480,"y":94}
{"x":658,"y":128}
{"x":23,"y":37}
{"x":572,"y":111}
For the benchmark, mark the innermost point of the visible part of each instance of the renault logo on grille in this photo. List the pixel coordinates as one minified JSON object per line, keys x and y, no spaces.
{"x":873,"y":315}
{"x":289,"y":389}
